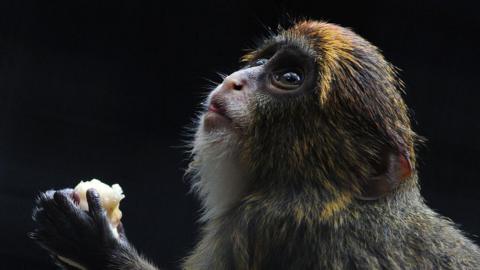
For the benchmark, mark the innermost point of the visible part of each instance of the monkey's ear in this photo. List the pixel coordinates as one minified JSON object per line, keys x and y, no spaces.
{"x":394,"y":169}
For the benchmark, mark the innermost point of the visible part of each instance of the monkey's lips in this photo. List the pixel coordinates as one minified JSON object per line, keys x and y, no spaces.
{"x":216,"y":116}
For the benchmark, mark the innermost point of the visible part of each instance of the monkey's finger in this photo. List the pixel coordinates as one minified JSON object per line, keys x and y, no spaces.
{"x":44,"y":221}
{"x":49,"y":238}
{"x":47,"y":216}
{"x":69,"y":192}
{"x":41,"y":218}
{"x":44,"y":227}
{"x":94,"y":204}
{"x":38,"y":209}
{"x":49,"y":208}
{"x":43,"y":238}
{"x":80,"y":222}
{"x":60,"y":217}
{"x":96,"y":210}
{"x":57,"y":228}
{"x":49,"y":193}
{"x":64,"y":200}
{"x":43,"y":197}
{"x":54,"y":230}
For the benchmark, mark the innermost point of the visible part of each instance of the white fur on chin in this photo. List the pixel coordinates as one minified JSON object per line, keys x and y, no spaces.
{"x":216,"y":176}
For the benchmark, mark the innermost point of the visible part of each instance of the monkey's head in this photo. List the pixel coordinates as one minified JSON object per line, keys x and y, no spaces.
{"x":314,"y":104}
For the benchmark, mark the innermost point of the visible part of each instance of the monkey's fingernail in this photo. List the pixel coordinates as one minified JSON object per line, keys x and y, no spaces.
{"x":93,"y":193}
{"x":76,"y":198}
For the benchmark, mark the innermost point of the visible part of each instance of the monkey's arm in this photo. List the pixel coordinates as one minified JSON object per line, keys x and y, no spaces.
{"x":82,"y":240}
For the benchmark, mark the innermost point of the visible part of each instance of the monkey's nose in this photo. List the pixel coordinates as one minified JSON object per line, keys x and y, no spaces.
{"x":233,"y":84}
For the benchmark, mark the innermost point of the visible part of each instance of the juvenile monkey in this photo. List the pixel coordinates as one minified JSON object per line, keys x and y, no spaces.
{"x":303,"y":159}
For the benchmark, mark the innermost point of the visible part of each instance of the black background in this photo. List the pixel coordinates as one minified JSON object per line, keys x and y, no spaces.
{"x":105,"y":89}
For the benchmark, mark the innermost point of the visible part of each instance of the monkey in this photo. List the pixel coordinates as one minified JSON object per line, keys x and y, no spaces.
{"x":304,"y":158}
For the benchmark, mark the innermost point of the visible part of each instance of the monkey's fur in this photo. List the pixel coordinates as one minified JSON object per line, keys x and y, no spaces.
{"x":308,"y":157}
{"x":325,"y":179}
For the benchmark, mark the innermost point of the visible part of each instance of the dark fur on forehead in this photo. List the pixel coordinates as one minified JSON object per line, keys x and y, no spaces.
{"x":275,"y":42}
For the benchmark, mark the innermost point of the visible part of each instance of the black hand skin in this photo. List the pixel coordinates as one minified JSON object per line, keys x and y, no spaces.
{"x":85,"y":238}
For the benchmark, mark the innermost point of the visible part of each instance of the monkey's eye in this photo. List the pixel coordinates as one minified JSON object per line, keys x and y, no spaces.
{"x":259,"y":62}
{"x":288,"y":80}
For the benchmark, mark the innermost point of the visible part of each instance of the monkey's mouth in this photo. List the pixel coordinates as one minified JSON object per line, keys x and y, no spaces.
{"x":218,"y":108}
{"x":216,"y":116}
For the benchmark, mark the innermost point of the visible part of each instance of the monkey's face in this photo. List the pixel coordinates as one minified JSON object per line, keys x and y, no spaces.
{"x":316,"y":103}
{"x":281,"y":72}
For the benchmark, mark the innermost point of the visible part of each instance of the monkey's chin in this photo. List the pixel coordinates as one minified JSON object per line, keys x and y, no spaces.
{"x":213,"y":121}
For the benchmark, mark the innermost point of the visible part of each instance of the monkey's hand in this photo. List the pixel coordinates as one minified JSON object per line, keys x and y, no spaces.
{"x":79,"y":238}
